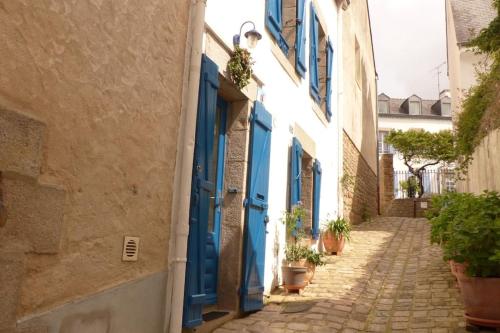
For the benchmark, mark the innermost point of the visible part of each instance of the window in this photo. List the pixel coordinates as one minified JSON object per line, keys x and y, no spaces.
{"x":446,"y":109}
{"x":305,"y":187}
{"x":384,"y":148}
{"x":285,"y":20}
{"x":320,"y":65}
{"x":383,"y":107}
{"x":414,"y":108}
{"x":357,"y":62}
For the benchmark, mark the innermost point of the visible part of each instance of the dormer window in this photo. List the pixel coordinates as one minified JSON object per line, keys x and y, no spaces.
{"x":415,"y":108}
{"x":383,"y":106}
{"x":446,"y":109}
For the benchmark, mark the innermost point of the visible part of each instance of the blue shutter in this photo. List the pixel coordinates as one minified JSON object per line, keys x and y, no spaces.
{"x":256,"y":203}
{"x":295,"y":174}
{"x":316,"y":198}
{"x":300,"y":37}
{"x":313,"y":56}
{"x":201,"y":189}
{"x":273,"y":18}
{"x":329,"y":79}
{"x":274,"y":23}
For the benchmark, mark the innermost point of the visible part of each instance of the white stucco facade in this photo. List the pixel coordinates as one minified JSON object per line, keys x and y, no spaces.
{"x":287,"y":98}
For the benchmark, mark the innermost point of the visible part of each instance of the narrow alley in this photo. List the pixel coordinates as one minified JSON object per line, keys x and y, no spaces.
{"x":389,"y":278}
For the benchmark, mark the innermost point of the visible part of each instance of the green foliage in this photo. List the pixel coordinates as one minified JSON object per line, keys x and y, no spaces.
{"x":295,"y":252}
{"x":468,"y":228}
{"x":339,"y":227}
{"x":292,"y":219}
{"x":240,"y":67}
{"x":410,"y":186}
{"x":315,"y":258}
{"x":421,"y":149}
{"x":474,"y":122}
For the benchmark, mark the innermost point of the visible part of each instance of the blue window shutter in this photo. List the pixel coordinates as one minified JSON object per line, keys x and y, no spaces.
{"x":295,"y":174}
{"x":329,"y":79}
{"x":194,"y":289}
{"x":300,"y":37}
{"x":313,"y":56}
{"x":316,"y":198}
{"x":273,"y":18}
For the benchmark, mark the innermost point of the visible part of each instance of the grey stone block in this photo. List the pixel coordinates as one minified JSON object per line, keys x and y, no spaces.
{"x":34,"y":212}
{"x":21,"y":142}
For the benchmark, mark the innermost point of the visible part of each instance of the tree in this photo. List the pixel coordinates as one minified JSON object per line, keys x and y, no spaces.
{"x":421,"y":149}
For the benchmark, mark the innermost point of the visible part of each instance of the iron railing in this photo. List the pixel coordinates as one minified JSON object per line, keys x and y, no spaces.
{"x":434,"y":182}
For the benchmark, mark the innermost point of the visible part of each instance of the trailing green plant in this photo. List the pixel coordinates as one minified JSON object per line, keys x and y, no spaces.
{"x":410,"y":186}
{"x":468,"y":229}
{"x":480,"y":112}
{"x":240,"y":67}
{"x":295,"y":252}
{"x":316,"y":258}
{"x":339,"y":227}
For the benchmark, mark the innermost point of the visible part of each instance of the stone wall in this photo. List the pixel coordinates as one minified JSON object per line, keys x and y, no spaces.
{"x":90,"y":99}
{"x":386,"y":181}
{"x":408,"y":207}
{"x":359,"y":184}
{"x":484,"y":170}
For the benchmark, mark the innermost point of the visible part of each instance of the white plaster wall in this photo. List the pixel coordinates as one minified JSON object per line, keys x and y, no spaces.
{"x":404,"y":124}
{"x":290,"y":104}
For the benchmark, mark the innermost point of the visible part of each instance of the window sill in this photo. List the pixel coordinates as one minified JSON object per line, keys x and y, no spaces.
{"x":319,"y":113}
{"x":282,"y":59}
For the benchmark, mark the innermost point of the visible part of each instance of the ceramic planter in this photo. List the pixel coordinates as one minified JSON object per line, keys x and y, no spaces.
{"x":294,"y":277}
{"x":481,"y":298}
{"x":332,"y":244}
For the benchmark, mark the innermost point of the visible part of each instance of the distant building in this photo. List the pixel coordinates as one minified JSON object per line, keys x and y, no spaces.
{"x":413,"y":113}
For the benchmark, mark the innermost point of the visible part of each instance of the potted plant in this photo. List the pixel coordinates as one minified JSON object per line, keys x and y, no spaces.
{"x":300,"y":261}
{"x":336,"y":232}
{"x":294,"y":269}
{"x":313,"y":259}
{"x":471,"y":241}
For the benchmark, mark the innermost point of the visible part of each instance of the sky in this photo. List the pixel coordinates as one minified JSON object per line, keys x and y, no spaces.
{"x":409,"y":38}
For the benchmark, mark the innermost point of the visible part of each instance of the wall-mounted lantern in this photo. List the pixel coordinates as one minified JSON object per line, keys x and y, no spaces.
{"x":252,"y":36}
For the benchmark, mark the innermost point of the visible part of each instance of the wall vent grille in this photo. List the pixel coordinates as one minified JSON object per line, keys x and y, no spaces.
{"x":130,"y":248}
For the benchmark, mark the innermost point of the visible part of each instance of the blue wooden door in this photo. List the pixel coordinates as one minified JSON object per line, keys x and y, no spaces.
{"x":202,"y":188}
{"x":215,"y":206}
{"x":254,"y":247}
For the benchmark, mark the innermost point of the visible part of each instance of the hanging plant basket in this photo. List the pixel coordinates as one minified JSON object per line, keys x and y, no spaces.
{"x":240,"y":67}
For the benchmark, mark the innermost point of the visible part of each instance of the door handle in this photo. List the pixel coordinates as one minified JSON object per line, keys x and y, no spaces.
{"x":266,"y":219}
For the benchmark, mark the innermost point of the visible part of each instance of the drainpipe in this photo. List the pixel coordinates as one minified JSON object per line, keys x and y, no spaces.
{"x":182,"y":181}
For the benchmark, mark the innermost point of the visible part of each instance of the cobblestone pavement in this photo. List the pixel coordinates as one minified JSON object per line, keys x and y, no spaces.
{"x":389,"y":279}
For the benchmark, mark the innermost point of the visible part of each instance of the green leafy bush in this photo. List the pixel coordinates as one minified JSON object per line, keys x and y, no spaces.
{"x":339,"y":227}
{"x":468,"y":229}
{"x":315,"y":258}
{"x":410,"y":186}
{"x":295,"y":252}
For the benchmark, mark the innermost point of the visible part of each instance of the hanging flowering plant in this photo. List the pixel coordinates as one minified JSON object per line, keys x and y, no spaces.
{"x":240,"y":67}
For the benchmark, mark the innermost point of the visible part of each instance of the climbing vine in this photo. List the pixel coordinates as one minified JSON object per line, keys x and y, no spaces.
{"x":481,"y":106}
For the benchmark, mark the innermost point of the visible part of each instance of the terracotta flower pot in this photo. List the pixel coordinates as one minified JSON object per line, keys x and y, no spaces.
{"x":332,"y":244}
{"x":294,"y":277}
{"x":311,"y":269}
{"x":481,"y":298}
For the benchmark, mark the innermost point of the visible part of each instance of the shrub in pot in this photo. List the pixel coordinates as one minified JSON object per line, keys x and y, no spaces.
{"x":295,"y":270}
{"x":471,"y":239}
{"x":336,"y":232}
{"x":313,"y":259}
